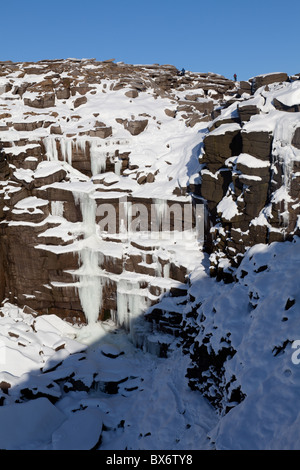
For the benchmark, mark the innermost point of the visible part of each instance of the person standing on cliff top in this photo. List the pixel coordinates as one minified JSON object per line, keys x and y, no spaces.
{"x":235,"y":77}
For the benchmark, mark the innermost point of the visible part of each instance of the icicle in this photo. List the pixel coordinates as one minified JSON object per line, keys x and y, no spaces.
{"x":160,"y":210}
{"x":88,"y":210}
{"x":128,"y":209}
{"x":118,"y":166}
{"x":57,"y":208}
{"x":66,"y":149}
{"x":91,"y":279}
{"x":158,"y":266}
{"x":284,"y":152}
{"x":166,"y":270}
{"x":131,"y":302}
{"x":51,"y":149}
{"x":98,"y":159}
{"x":125,"y":216}
{"x":90,"y":284}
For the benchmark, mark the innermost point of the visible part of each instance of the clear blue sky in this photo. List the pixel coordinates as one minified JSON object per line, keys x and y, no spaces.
{"x":221,"y":36}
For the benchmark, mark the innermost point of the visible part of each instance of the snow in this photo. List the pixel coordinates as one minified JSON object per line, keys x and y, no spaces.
{"x":181,"y":419}
{"x":81,"y":431}
{"x":54,"y":376}
{"x":24,"y":175}
{"x":16,"y":150}
{"x":228,"y":208}
{"x":250,"y":161}
{"x":291,"y":95}
{"x":225,"y":128}
{"x":271,"y":382}
{"x":46,"y":168}
{"x":31,"y":202}
{"x":38,"y":417}
{"x":153,"y":383}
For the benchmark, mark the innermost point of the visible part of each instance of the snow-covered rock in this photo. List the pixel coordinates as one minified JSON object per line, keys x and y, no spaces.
{"x":123,"y":188}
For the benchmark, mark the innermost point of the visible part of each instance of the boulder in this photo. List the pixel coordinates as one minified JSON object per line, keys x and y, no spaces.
{"x":170,"y":112}
{"x":221,"y":144}
{"x":258,"y":144}
{"x":214,"y":186}
{"x":63,"y":93}
{"x":80,"y":101}
{"x":136,"y":127}
{"x":295,"y":108}
{"x":55,"y":130}
{"x":267,"y":79}
{"x":203,"y":106}
{"x":27,"y":126}
{"x":102,"y":132}
{"x":252,"y":166}
{"x":42,"y":101}
{"x":132,"y":94}
{"x":245,"y":87}
{"x":247,"y":111}
{"x":54,"y":177}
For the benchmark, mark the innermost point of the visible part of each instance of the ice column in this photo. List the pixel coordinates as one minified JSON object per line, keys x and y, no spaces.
{"x":118,"y":166}
{"x":57,"y":208}
{"x":50,"y":143}
{"x":131,"y":302}
{"x":90,"y":284}
{"x":51,"y":148}
{"x":98,"y":159}
{"x":66,"y":150}
{"x":90,"y":274}
{"x":285,"y":153}
{"x":160,"y":210}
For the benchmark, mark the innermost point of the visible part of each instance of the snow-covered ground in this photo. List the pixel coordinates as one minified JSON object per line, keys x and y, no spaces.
{"x":258,"y":316}
{"x":90,"y":387}
{"x":83,"y":388}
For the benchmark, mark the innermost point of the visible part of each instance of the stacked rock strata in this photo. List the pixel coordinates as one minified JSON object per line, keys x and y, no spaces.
{"x":250,"y":173}
{"x":78,"y":135}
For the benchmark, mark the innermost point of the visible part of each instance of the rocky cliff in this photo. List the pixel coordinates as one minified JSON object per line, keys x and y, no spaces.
{"x":86,"y":147}
{"x":250,"y":172}
{"x":135,"y":189}
{"x":81,"y":138}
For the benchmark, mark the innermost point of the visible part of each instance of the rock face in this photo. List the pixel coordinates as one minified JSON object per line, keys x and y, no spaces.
{"x":250,"y":181}
{"x":77,"y":137}
{"x":114,"y":176}
{"x":89,"y":163}
{"x":267,"y":79}
{"x":250,"y":173}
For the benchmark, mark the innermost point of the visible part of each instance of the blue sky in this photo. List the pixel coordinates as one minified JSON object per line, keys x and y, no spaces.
{"x":226,"y":37}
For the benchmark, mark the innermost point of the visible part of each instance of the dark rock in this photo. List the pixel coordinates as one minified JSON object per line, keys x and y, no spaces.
{"x":245,"y":87}
{"x":55,"y":130}
{"x":63,"y":93}
{"x":218,"y":147}
{"x":247,"y":111}
{"x":214,"y":186}
{"x":258,"y":144}
{"x":289,"y":304}
{"x":170,"y":112}
{"x":132,"y":94}
{"x":80,"y":101}
{"x":296,"y":138}
{"x":267,"y":79}
{"x":136,"y":127}
{"x":42,"y":101}
{"x":102,"y":132}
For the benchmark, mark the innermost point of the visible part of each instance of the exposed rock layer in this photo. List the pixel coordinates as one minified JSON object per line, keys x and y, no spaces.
{"x":74,"y":140}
